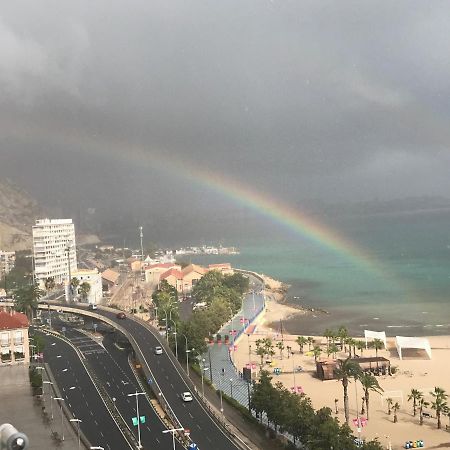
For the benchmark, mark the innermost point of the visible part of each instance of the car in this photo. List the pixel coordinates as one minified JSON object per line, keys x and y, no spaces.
{"x":186,"y":396}
{"x":121,"y":315}
{"x":92,"y":306}
{"x":158,"y":351}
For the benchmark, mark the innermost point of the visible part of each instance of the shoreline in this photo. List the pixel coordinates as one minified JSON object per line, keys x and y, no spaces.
{"x":414,"y":371}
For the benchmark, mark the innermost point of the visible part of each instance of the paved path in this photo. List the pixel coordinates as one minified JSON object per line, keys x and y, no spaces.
{"x":219,"y":360}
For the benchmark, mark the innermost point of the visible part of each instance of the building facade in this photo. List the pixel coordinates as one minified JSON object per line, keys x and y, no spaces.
{"x":94,"y":279}
{"x":7,"y":262}
{"x":54,"y":250}
{"x":14,"y":345}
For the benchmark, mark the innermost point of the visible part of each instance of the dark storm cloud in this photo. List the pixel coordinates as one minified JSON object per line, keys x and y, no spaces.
{"x":339,"y":100}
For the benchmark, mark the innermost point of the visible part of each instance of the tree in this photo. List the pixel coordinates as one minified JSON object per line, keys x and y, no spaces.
{"x":316,"y":352}
{"x":395,"y":408}
{"x":422,"y":404}
{"x":310,"y":341}
{"x":280,"y":347}
{"x":361,"y":345}
{"x":49,"y":284}
{"x":378,"y":344}
{"x":389,"y":403}
{"x":26,"y":299}
{"x":301,"y":341}
{"x":74,"y":283}
{"x":439,"y":404}
{"x":345,"y":370}
{"x":334,"y":349}
{"x":342,"y":334}
{"x":415,"y":396}
{"x":369,"y":383}
{"x":84,"y":290}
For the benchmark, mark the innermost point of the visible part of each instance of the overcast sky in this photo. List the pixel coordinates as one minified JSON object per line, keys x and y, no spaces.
{"x":335,"y":100}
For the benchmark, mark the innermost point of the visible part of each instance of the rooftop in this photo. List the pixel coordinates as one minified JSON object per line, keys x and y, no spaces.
{"x":13,"y":320}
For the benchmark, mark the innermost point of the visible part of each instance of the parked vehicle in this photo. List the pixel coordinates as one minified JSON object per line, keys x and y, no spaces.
{"x":121,"y":315}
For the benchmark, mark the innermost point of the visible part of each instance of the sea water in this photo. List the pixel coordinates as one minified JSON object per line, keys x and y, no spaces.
{"x":406,"y":291}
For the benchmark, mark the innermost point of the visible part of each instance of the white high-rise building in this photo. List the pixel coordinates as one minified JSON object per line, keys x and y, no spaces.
{"x":54,"y":250}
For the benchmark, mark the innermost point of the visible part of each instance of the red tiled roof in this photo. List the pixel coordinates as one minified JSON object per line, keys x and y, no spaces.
{"x":194,"y":268}
{"x":110,"y":275}
{"x":176,"y":273}
{"x":12,"y":321}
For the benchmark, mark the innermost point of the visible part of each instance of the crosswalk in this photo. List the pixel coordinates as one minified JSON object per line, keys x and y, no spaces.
{"x":86,"y":345}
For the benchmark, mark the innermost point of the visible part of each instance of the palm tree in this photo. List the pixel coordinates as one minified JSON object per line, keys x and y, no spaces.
{"x":415,"y":395}
{"x":395,"y":408}
{"x":280,"y":347}
{"x":439,"y":404}
{"x":260,"y":351}
{"x":360,"y":345}
{"x":422,"y":404}
{"x":378,"y":344}
{"x":345,"y":370}
{"x":84,"y":290}
{"x":310,"y":341}
{"x":334,"y":349}
{"x":49,"y":284}
{"x":369,"y":383}
{"x":26,"y":299}
{"x":74,"y":282}
{"x":342,"y":335}
{"x":301,"y":341}
{"x":351,"y":344}
{"x":389,"y":403}
{"x":328,"y":335}
{"x":316,"y":352}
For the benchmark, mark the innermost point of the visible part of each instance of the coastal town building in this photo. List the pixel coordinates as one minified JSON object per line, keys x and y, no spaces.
{"x":154,"y":271}
{"x":175,"y":279}
{"x":54,"y":250}
{"x":94,"y":279}
{"x":14,"y":346}
{"x":7,"y":262}
{"x":191,"y":274}
{"x":110,"y":278}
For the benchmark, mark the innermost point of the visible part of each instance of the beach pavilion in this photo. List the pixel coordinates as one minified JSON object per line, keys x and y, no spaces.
{"x":381,"y":335}
{"x":402,"y":342}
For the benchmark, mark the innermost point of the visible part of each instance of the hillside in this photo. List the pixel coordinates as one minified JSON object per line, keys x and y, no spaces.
{"x":18,"y":211}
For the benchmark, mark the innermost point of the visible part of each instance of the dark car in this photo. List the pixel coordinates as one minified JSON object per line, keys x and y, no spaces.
{"x":121,"y":315}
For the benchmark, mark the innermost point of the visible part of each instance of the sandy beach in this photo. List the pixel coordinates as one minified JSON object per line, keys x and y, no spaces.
{"x":415,"y":371}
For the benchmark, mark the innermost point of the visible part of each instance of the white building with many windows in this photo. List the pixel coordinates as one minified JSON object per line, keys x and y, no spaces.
{"x":54,"y":250}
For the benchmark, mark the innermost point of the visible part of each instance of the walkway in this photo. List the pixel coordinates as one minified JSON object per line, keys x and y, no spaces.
{"x":219,"y":364}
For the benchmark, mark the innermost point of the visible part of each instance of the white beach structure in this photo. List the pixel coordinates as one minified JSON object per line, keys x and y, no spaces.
{"x":402,"y":342}
{"x":381,"y":335}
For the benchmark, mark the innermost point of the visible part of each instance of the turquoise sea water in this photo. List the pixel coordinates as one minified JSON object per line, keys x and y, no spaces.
{"x":407,"y":294}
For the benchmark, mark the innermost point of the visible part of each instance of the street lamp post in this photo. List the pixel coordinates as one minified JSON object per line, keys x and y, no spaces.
{"x":173,"y":431}
{"x":136,"y":394}
{"x":78,"y":430}
{"x":165,"y":318}
{"x":176,"y":343}
{"x":45,"y":382}
{"x":293,"y":371}
{"x":62,"y":417}
{"x":220,"y":389}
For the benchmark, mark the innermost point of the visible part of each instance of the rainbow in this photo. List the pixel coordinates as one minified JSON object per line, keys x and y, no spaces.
{"x":264,"y":204}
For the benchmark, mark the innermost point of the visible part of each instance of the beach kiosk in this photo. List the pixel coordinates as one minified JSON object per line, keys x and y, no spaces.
{"x":325,"y":369}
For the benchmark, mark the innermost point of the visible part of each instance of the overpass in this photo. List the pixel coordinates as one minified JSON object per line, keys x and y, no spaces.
{"x":165,"y":377}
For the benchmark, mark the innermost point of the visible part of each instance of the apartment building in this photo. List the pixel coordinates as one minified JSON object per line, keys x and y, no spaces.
{"x":7,"y":262}
{"x":54,"y":250}
{"x":14,"y":346}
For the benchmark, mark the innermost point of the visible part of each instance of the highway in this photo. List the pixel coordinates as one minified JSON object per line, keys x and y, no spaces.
{"x":112,"y":369}
{"x":81,"y":396}
{"x":203,"y":429}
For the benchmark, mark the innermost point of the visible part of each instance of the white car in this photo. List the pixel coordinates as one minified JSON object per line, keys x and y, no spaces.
{"x":186,"y":396}
{"x":158,"y":351}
